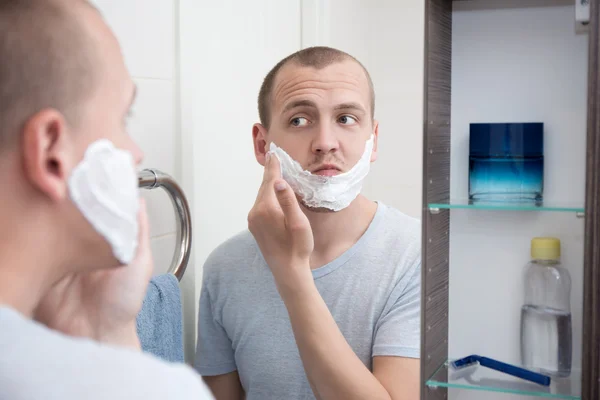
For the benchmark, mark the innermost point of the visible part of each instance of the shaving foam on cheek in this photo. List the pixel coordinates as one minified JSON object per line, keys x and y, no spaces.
{"x":332,"y":192}
{"x":104,"y":187}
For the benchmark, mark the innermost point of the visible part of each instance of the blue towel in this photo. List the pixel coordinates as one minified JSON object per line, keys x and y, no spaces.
{"x":159,"y":323}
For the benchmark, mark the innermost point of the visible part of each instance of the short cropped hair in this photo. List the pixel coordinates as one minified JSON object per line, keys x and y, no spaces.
{"x":317,"y":57}
{"x":46,"y":61}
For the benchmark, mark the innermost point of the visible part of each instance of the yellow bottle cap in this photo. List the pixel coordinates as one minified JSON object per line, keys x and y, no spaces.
{"x":545,"y":248}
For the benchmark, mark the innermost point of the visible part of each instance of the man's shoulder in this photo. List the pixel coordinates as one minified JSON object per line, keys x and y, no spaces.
{"x":402,"y":222}
{"x":75,"y":366}
{"x":237,"y":250}
{"x":396,"y":243}
{"x":401,"y":228}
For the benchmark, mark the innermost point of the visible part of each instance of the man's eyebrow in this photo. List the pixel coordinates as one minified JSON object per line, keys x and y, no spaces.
{"x":350,"y":106}
{"x":299,"y":103}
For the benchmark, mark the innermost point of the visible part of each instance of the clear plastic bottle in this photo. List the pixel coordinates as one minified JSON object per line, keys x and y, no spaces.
{"x":546,"y":330}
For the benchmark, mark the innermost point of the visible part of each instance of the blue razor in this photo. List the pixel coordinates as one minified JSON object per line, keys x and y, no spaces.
{"x":525,"y":374}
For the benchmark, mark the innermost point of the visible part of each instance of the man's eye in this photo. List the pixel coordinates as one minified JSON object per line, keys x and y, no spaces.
{"x":347,"y":120}
{"x":299,"y":121}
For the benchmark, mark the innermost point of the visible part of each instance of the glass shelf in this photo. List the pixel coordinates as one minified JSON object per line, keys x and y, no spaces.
{"x":485,"y":379}
{"x":506,"y":206}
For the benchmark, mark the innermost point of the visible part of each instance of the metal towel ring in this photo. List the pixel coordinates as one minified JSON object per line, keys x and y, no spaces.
{"x":153,"y":178}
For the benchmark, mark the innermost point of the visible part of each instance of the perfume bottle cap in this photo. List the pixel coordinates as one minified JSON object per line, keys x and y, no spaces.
{"x":506,"y":139}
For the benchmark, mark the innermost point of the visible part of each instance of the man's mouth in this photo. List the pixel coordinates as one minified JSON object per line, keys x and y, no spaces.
{"x":327,"y":170}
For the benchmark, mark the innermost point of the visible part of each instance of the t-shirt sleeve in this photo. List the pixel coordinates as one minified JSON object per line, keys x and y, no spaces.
{"x":214,"y":351}
{"x":397,"y":331}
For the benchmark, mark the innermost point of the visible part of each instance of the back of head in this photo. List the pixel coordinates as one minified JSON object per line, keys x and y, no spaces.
{"x":46,"y":62}
{"x":65,"y":93}
{"x":317,"y":57}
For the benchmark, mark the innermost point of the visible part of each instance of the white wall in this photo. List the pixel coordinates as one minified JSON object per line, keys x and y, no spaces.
{"x":147,"y":32}
{"x":514,"y":64}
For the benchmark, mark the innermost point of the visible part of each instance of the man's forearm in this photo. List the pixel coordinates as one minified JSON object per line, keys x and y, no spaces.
{"x":333,"y":369}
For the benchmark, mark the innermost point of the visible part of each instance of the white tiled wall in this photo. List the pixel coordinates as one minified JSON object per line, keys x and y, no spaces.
{"x":146,"y":30}
{"x":153,"y":127}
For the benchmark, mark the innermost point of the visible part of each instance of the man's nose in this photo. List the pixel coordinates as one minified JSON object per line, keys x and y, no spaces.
{"x":325,"y":140}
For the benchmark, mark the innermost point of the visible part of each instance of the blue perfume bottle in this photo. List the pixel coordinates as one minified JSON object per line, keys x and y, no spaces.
{"x":506,"y":162}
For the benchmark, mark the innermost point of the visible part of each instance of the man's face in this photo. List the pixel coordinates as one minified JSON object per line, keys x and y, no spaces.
{"x":321,"y":118}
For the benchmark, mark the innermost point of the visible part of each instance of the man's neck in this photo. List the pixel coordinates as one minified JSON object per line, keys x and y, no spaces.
{"x":336,"y":232}
{"x":26,"y":273}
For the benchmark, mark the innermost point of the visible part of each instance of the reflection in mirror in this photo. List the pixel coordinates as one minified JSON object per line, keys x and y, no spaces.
{"x":307,"y":143}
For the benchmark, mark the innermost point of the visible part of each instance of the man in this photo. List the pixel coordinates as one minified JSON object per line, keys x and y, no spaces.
{"x":320,"y":298}
{"x":69,"y":209}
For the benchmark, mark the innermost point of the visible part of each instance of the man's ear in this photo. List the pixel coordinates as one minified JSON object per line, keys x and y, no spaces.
{"x":259,"y":137}
{"x":375,"y":137}
{"x":45,"y":153}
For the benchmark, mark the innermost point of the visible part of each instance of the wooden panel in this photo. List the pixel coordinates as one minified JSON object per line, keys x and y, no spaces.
{"x":435,"y":288}
{"x":438,"y":162}
{"x":435,"y":393}
{"x":438,"y":184}
{"x":436,"y":188}
{"x":591,"y":291}
{"x":439,"y":58}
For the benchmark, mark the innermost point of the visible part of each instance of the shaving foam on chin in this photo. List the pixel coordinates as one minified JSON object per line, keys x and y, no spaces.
{"x":104,"y":187}
{"x":332,"y":192}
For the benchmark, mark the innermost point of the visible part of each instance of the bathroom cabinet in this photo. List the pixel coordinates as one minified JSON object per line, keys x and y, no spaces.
{"x":507,"y":61}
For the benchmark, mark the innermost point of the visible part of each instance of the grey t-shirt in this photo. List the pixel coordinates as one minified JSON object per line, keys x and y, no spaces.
{"x":372,"y":291}
{"x":38,"y":363}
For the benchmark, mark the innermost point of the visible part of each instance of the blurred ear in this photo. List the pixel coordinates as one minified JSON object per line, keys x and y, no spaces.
{"x":259,"y":137}
{"x":46,"y":153}
{"x":375,"y":139}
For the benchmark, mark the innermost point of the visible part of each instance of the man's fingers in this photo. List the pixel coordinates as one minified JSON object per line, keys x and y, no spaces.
{"x":272,"y":169}
{"x":289,"y":204}
{"x":271,"y":172}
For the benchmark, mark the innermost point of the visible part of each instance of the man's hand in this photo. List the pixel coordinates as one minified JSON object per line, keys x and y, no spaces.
{"x":281,"y":229}
{"x":102,"y":305}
